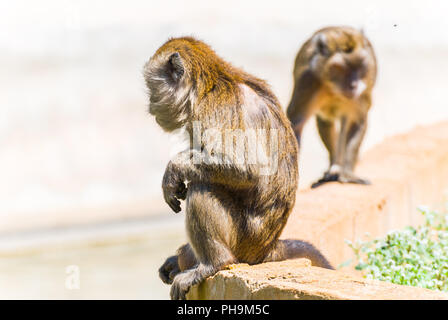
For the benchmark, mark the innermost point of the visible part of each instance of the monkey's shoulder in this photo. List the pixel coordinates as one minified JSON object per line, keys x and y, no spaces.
{"x":259,"y":110}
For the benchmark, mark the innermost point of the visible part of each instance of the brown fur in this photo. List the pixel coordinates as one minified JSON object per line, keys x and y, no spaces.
{"x":330,"y":71}
{"x":234,"y":212}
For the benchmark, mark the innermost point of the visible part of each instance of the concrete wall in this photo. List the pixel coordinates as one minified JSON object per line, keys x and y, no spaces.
{"x":406,"y":170}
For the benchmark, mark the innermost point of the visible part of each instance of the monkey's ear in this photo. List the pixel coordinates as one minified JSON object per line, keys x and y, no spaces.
{"x":176,"y":66}
{"x":363,"y":33}
{"x":321,"y":44}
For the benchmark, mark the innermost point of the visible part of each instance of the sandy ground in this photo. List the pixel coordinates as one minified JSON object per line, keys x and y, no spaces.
{"x":76,"y":140}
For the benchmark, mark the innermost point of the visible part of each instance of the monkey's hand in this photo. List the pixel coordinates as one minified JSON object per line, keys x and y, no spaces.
{"x":174,"y":188}
{"x":169,"y":270}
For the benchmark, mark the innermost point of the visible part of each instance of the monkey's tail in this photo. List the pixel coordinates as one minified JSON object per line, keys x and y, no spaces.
{"x":292,"y":249}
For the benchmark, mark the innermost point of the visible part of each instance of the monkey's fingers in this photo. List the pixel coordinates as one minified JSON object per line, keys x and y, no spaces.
{"x":173,"y":274}
{"x":177,"y":292}
{"x":165,"y":276}
{"x":326,"y":178}
{"x":181,"y":193}
{"x":169,"y":270}
{"x":317,"y":184}
{"x":174,"y":204}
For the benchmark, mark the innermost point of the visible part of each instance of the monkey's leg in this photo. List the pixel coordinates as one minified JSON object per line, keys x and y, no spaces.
{"x":297,"y":126}
{"x":220,"y":257}
{"x":341,"y":145}
{"x":298,"y":113}
{"x":328,"y":134}
{"x":183,"y":260}
{"x":292,"y":249}
{"x":355,"y":136}
{"x":300,"y":106}
{"x":209,"y":228}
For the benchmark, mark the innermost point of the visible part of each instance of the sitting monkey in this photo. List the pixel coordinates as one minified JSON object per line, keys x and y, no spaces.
{"x":235,"y":210}
{"x":334,"y":74}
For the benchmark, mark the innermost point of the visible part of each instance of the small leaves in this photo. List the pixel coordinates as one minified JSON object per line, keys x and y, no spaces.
{"x":344,"y":264}
{"x":412,"y":256}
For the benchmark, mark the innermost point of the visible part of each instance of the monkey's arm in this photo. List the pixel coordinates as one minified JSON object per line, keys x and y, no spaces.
{"x":193,"y":165}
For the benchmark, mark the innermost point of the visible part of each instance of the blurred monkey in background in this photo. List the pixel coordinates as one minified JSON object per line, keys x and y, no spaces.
{"x":334,"y":73}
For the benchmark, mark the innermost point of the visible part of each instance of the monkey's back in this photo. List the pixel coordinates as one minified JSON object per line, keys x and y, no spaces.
{"x":270,"y":202}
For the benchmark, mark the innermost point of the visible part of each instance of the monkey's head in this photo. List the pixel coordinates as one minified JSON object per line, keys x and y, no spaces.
{"x":180,"y":72}
{"x":342,"y":60}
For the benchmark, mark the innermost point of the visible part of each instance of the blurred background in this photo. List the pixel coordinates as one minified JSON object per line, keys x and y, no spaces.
{"x":81,"y":160}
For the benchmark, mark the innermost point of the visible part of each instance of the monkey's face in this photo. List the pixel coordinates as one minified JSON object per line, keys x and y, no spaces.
{"x":343,"y":63}
{"x":169,"y":88}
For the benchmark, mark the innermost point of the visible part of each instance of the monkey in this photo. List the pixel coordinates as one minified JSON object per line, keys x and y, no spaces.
{"x":334,"y":74}
{"x":235,"y":209}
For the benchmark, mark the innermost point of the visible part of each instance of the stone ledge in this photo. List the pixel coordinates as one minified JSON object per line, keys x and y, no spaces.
{"x":297,"y":279}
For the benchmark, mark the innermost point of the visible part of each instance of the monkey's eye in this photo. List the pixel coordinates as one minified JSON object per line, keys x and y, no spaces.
{"x":348,"y":49}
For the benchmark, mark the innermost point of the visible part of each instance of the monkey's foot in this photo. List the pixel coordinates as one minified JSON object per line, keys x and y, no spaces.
{"x":182,"y":283}
{"x":169,"y":270}
{"x":342,"y":177}
{"x":328,"y":177}
{"x":186,"y":279}
{"x":346,"y":177}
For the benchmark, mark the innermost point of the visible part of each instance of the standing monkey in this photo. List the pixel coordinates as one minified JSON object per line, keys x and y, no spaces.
{"x":235,"y":211}
{"x":334,"y":73}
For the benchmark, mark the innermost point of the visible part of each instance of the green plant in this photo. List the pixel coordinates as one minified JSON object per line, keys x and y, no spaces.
{"x":413,"y":256}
